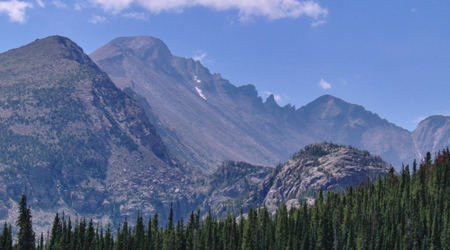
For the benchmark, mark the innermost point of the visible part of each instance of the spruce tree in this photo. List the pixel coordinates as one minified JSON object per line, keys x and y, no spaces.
{"x":26,"y":235}
{"x":6,"y":242}
{"x":139,"y":233}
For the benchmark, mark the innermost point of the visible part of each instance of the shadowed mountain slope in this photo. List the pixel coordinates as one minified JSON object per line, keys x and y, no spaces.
{"x":202,"y":117}
{"x":74,"y":141}
{"x":205,"y":119}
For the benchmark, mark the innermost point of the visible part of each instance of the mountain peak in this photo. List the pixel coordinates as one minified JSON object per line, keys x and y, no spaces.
{"x":438,"y":120}
{"x":66,"y":125}
{"x":145,"y":47}
{"x":270,"y":101}
{"x":49,"y":46}
{"x":328,"y":99}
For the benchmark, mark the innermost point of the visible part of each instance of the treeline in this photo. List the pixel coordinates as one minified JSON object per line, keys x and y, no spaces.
{"x":406,"y":211}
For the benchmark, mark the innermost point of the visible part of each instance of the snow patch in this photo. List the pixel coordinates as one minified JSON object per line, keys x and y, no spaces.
{"x":200,"y":93}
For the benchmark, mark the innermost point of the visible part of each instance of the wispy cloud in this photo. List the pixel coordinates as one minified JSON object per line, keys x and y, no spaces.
{"x":15,"y":10}
{"x":413,"y":10}
{"x":78,"y":6}
{"x":324,"y":85}
{"x":271,"y":9}
{"x":419,"y":119}
{"x":136,"y":15}
{"x":40,"y":3}
{"x":318,"y":23}
{"x":97,"y":19}
{"x":59,"y":4}
{"x":199,"y":56}
{"x":268,"y":93}
{"x":280,"y":99}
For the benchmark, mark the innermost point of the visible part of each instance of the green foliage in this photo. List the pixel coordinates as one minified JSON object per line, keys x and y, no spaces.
{"x":25,"y":236}
{"x":406,"y":211}
{"x":6,"y":242}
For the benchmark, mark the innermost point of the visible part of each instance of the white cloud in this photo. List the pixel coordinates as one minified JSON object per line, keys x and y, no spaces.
{"x":78,"y":6}
{"x":199,"y":56}
{"x":40,"y":3}
{"x":15,"y":10}
{"x":136,"y":15}
{"x":324,"y":85}
{"x":97,"y":19}
{"x":419,"y":119}
{"x":278,"y":98}
{"x":318,"y":23}
{"x":413,"y":10}
{"x":272,"y":9}
{"x":59,"y":4}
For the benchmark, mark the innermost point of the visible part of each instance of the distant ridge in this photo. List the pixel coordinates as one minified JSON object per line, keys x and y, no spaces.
{"x":205,"y":119}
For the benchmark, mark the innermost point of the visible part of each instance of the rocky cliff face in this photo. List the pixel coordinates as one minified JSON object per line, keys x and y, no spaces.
{"x":325,"y":165}
{"x":233,"y":180}
{"x":74,"y":141}
{"x":432,"y":134}
{"x":206,"y":120}
{"x":202,"y":117}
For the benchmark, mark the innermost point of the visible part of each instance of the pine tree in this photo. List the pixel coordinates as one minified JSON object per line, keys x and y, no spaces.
{"x":89,"y":238}
{"x":139,"y":233}
{"x":190,"y":232}
{"x":249,"y":238}
{"x":169,"y":234}
{"x":56,"y":233}
{"x":155,"y":233}
{"x":149,"y":236}
{"x":6,"y":242}
{"x":107,"y":240}
{"x":26,"y":235}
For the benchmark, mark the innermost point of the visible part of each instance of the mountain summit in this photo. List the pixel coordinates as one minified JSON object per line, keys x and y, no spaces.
{"x":205,"y":119}
{"x":74,"y":141}
{"x":432,"y":134}
{"x":202,"y":117}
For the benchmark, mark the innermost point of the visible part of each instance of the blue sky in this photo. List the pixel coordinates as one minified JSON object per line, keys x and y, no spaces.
{"x":392,"y":57}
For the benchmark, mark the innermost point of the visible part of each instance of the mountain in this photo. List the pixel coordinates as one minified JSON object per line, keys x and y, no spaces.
{"x":73,"y":141}
{"x":231,"y":181}
{"x":432,"y":134}
{"x":325,"y":166}
{"x":93,"y":144}
{"x":205,"y":120}
{"x":332,"y":119}
{"x":202,"y":117}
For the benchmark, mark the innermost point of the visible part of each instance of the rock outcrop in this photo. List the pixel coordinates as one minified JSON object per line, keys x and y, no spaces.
{"x":325,"y":166}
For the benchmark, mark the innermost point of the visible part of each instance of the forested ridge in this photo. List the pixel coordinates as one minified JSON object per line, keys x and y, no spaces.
{"x":409,"y":210}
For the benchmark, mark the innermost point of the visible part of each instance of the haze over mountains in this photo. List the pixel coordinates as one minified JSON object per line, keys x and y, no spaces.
{"x":205,"y":120}
{"x":76,"y":142}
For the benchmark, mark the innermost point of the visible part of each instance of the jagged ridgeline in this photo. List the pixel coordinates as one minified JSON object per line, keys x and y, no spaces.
{"x":74,"y":141}
{"x":204,"y":119}
{"x":406,"y":211}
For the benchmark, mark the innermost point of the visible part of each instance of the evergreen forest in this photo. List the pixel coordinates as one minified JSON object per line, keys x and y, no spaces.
{"x":409,"y":210}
